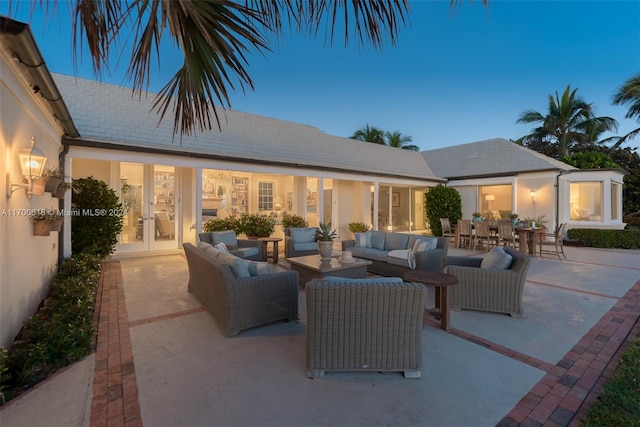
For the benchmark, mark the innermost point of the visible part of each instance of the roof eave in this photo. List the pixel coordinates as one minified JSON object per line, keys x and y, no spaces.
{"x":81,"y":142}
{"x":18,"y":40}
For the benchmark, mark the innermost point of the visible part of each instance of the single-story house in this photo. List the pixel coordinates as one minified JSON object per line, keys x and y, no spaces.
{"x":253,"y":164}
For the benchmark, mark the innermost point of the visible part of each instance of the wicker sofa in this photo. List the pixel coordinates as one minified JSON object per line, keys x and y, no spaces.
{"x":364,"y":325}
{"x":384,"y":242}
{"x":238,"y":304}
{"x":498,"y":291}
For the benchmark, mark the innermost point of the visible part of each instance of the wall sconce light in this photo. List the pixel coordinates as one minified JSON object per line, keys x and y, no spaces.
{"x":533,"y":196}
{"x":32,"y":161}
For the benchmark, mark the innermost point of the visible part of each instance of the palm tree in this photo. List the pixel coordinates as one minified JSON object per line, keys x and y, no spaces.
{"x":370,"y":134}
{"x":567,"y":122}
{"x":215,"y":37}
{"x":398,"y":140}
{"x":629,"y":94}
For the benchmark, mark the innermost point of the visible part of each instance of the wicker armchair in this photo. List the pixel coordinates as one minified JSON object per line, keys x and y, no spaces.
{"x":498,"y":291}
{"x":238,"y":304}
{"x":364,"y":325}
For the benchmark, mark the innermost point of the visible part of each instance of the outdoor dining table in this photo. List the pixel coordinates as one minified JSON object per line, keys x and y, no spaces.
{"x":526,"y":239}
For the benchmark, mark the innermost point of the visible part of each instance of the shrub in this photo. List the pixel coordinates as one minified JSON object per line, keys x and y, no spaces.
{"x":256,"y":225}
{"x":442,"y":202}
{"x":289,"y":221}
{"x":221,"y":224}
{"x":99,"y":222}
{"x":60,"y":332}
{"x":358,"y":227}
{"x":632,"y":219}
{"x":598,"y":238}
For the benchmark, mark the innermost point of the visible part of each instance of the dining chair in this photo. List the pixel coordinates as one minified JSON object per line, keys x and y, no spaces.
{"x":484,"y":235}
{"x":464,"y":233}
{"x":554,"y":247}
{"x":447,"y":229}
{"x":506,"y":235}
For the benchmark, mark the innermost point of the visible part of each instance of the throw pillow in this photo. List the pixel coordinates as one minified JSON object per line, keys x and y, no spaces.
{"x":404,"y":254}
{"x":204,"y":245}
{"x":303,"y":234}
{"x":420,"y":245}
{"x":221,"y":247}
{"x":259,"y":268}
{"x":497,"y":259}
{"x":239,"y":266}
{"x":227,"y":237}
{"x":363,"y":240}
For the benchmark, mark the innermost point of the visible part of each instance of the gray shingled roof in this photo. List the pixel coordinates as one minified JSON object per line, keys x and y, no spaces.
{"x":485,"y":158}
{"x":109,"y":113}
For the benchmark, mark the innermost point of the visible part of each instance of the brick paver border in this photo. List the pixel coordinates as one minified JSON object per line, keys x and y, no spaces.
{"x":561,"y":398}
{"x":115,"y":390}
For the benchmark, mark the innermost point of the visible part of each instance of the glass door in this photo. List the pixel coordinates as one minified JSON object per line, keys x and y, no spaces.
{"x":163,"y":206}
{"x":132,"y":196}
{"x":148,"y":195}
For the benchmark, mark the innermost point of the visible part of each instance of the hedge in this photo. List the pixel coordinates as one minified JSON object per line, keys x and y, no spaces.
{"x":599,"y":238}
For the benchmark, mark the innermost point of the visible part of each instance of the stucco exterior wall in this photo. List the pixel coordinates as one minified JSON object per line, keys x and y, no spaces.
{"x":27,"y":262}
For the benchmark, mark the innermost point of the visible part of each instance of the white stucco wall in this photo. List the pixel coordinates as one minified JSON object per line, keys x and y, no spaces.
{"x":27,"y":262}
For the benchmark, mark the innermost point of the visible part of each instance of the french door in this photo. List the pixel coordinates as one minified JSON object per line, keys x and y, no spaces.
{"x":149,"y":197}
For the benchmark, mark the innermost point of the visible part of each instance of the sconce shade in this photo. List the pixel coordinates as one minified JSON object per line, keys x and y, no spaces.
{"x":32,"y":161}
{"x":489,"y":197}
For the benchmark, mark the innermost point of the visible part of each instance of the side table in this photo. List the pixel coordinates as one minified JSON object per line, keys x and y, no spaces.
{"x":274,"y":254}
{"x":441,"y":281}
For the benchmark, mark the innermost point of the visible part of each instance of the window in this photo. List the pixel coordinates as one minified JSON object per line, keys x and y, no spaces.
{"x":265,"y":196}
{"x":615,"y":197}
{"x":495,"y":201}
{"x":585,"y":200}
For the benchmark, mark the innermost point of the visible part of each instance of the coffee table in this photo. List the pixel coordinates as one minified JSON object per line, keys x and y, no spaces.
{"x":311,"y":267}
{"x":441,"y":281}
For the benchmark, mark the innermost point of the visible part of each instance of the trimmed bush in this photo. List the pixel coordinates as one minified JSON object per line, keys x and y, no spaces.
{"x":96,"y":227}
{"x":442,"y":202}
{"x":60,"y":332}
{"x":599,"y":238}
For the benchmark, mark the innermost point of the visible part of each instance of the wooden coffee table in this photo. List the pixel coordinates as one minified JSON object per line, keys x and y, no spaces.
{"x":441,"y":281}
{"x":311,"y":267}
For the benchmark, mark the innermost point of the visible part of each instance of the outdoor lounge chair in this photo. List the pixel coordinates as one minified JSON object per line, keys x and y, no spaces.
{"x":240,"y":303}
{"x":364,"y":325}
{"x":487,"y":289}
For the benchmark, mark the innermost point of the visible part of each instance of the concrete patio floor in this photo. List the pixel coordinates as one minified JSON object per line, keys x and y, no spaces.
{"x":174,"y":368}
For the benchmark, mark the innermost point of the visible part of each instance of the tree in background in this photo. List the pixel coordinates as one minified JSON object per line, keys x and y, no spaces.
{"x":629,"y":94}
{"x":398,"y":140}
{"x":568,"y":123}
{"x":370,"y":134}
{"x":442,"y":202}
{"x":378,"y":136}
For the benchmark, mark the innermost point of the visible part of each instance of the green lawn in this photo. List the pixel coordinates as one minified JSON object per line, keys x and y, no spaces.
{"x":619,"y":403}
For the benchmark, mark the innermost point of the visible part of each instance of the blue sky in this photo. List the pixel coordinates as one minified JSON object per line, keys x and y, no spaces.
{"x":449,"y":79}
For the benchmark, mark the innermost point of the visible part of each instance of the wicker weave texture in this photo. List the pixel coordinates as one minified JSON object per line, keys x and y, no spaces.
{"x":364,"y":326}
{"x":238,"y":304}
{"x":497,"y":291}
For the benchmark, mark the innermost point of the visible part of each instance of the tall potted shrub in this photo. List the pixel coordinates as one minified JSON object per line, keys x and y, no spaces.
{"x":325,"y":237}
{"x":256,"y":225}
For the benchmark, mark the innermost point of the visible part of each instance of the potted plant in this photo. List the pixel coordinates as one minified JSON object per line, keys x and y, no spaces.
{"x":514,"y":218}
{"x":221,"y":224}
{"x":256,"y":225}
{"x":43,"y":219}
{"x":292,"y":220}
{"x":55,"y":182}
{"x":358,"y":227}
{"x":477,"y":216}
{"x":325,"y":236}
